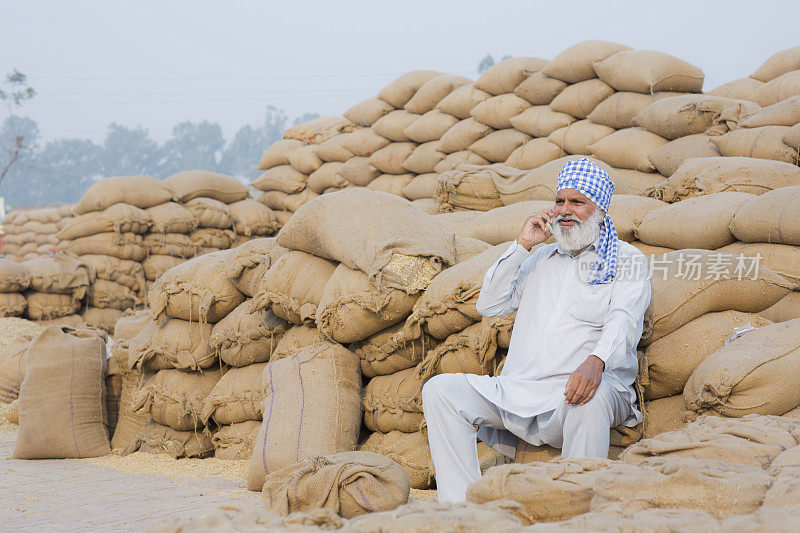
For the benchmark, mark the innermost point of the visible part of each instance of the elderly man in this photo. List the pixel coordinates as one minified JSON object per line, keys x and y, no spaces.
{"x":571,"y":365}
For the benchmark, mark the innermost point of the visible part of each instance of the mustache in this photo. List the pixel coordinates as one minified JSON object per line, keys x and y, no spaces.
{"x":572,"y":218}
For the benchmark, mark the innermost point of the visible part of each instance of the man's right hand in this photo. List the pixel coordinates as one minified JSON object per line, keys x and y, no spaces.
{"x":535,"y":231}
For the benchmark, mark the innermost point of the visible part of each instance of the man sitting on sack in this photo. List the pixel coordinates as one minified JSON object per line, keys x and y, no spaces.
{"x":571,"y":365}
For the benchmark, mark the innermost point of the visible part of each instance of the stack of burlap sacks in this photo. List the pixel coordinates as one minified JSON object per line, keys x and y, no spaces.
{"x":31,"y":232}
{"x":59,"y":286}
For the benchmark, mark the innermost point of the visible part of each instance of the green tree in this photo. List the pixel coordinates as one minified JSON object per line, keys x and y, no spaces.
{"x":485,"y":64}
{"x":128,"y":151}
{"x":14,"y":92}
{"x":192,"y":147}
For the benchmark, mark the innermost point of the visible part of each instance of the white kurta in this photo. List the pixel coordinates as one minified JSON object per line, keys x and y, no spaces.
{"x":561,"y":320}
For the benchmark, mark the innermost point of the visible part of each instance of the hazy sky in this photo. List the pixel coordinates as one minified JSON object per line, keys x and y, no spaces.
{"x":156,"y":63}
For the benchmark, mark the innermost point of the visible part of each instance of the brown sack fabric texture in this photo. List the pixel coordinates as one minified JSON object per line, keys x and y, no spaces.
{"x":64,"y":273}
{"x":388,"y":351}
{"x":237,"y":396}
{"x":13,"y":359}
{"x":139,"y":191}
{"x":122,"y":245}
{"x":431,"y":516}
{"x":409,"y":450}
{"x":246,"y":336}
{"x":156,"y":438}
{"x":235,"y":442}
{"x":191,"y":184}
{"x":172,"y":343}
{"x":394,"y":402}
{"x":770,"y":217}
{"x":119,"y":218}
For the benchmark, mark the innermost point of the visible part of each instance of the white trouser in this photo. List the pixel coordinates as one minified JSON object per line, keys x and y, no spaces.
{"x":452,"y":407}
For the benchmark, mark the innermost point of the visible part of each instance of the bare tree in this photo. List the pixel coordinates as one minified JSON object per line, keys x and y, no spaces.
{"x":14,"y":92}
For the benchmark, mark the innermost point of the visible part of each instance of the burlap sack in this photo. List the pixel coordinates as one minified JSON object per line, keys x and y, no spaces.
{"x":470,"y":351}
{"x":279,"y":201}
{"x":394,"y":402}
{"x":13,"y":276}
{"x":130,"y":324}
{"x":621,"y":517}
{"x":648,"y":71}
{"x":548,"y":492}
{"x":429,"y":516}
{"x":541,"y":121}
{"x":458,"y":221}
{"x":237,"y":396}
{"x":430,"y":127}
{"x":504,"y":224}
{"x":110,"y":295}
{"x":574,"y":64}
{"x":319,"y":130}
{"x":352,"y":307}
{"x":174,"y":244}
{"x":121,"y":271}
{"x":467,"y":187}
{"x":171,"y":217}
{"x":627,"y":212}
{"x":172,"y":343}
{"x":72,"y":320}
{"x":139,"y":191}
{"x":221,"y":239}
{"x":497,"y":111}
{"x":42,"y":305}
{"x":689,"y":283}
{"x":628,"y":148}
{"x":499,"y":145}
{"x":460,"y":102}
{"x":367,"y":112}
{"x":349,"y":483}
{"x":358,"y":171}
{"x":784,"y":113}
{"x":252,"y":218}
{"x":236,"y":441}
{"x":210,"y":213}
{"x":129,"y":424}
{"x":113,"y":382}
{"x":192,"y":184}
{"x":710,"y":214}
{"x":783,"y":87}
{"x":467,"y":248}
{"x":175,"y":399}
{"x":422,"y":186}
{"x":792,"y":138}
{"x":295,"y":339}
{"x":101,"y":318}
{"x":424,"y":158}
{"x":312,"y":407}
{"x":62,"y":412}
{"x":504,"y":77}
{"x":390,"y":158}
{"x":388,"y":351}
{"x":409,"y":450}
{"x":277,"y":153}
{"x":778,"y":64}
{"x":670,"y":360}
{"x":580,"y":99}
{"x":617,"y":111}
{"x":392,"y":126}
{"x":426,"y":205}
{"x":155,"y":265}
{"x":391,"y":183}
{"x":304,"y":159}
{"x":456,"y":158}
{"x":326,"y":177}
{"x":665,"y":414}
{"x":698,"y":176}
{"x":782,"y":259}
{"x":364,"y":143}
{"x":534,"y":154}
{"x":741,"y":89}
{"x":433,"y":91}
{"x":64,"y":273}
{"x":787,"y":308}
{"x":763,"y":218}
{"x":578,"y":136}
{"x":249,"y":262}
{"x":539,"y":89}
{"x":119,"y":218}
{"x":689,"y":114}
{"x":246,"y":336}
{"x":196,"y":290}
{"x":161,"y":439}
{"x":669,"y":157}
{"x":12,"y":367}
{"x":400,"y":91}
{"x":283,"y":178}
{"x":765,"y":142}
{"x":463,"y":134}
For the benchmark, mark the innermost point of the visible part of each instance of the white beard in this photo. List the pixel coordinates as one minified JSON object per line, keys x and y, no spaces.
{"x":582,"y":234}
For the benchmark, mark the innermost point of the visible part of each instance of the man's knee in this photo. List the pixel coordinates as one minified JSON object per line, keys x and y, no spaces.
{"x":440,"y":387}
{"x":598,"y":410}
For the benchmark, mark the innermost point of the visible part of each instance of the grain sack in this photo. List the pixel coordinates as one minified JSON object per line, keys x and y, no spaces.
{"x":210,"y":213}
{"x":367,"y":112}
{"x":400,"y":91}
{"x":670,"y":360}
{"x":252,"y":218}
{"x":779,"y":89}
{"x":426,"y":205}
{"x":548,"y":492}
{"x":304,"y":159}
{"x":394,"y":402}
{"x":277,"y":153}
{"x":124,"y":245}
{"x":246,"y":336}
{"x":628,"y":148}
{"x":665,"y":414}
{"x":282,"y":178}
{"x":470,"y":351}
{"x":463,"y":134}
{"x":129,"y":424}
{"x":139,"y":191}
{"x":467,"y":187}
{"x":689,"y":114}
{"x":319,"y":130}
{"x":111,"y":295}
{"x":503,"y":224}
{"x":778,"y":64}
{"x":113,"y":383}
{"x":237,"y":396}
{"x":433,"y":91}
{"x":422,"y":186}
{"x":191,"y":184}
{"x":353,"y":308}
{"x":157,"y":438}
{"x":504,"y":77}
{"x":409,"y":450}
{"x":175,"y":399}
{"x":617,"y":111}
{"x":498,"y":110}
{"x":787,"y":308}
{"x":649,"y":71}
{"x":458,"y":222}
{"x":196,"y":290}
{"x":541,"y":121}
{"x":130,"y":324}
{"x":295,"y":339}
{"x":250,"y":261}
{"x":348,"y":483}
{"x":698,"y":176}
{"x":406,"y":252}
{"x":499,"y":145}
{"x":424,"y":158}
{"x":765,"y":142}
{"x":235,"y":442}
{"x":751,"y":374}
{"x":358,"y":171}
{"x":171,"y":343}
{"x":578,"y":136}
{"x":456,"y":158}
{"x":784,"y":113}
{"x":430,"y":516}
{"x":13,"y":276}
{"x":388,"y":351}
{"x":174,"y":244}
{"x":333,"y":149}
{"x":101,"y":318}
{"x":221,"y":239}
{"x":668,"y":158}
{"x":64,"y":273}
{"x":574,"y":64}
{"x":763,"y":219}
{"x":741,"y":89}
{"x":121,"y":271}
{"x":580,"y":99}
{"x":534,"y":154}
{"x":539,"y":89}
{"x":632,"y":520}
{"x":364,"y":142}
{"x":460,"y":102}
{"x":119,"y":218}
{"x":312,"y":407}
{"x":392,"y":125}
{"x":391,"y":183}
{"x":390,"y":158}
{"x":430,"y":126}
{"x":711,"y":216}
{"x":713,"y":284}
{"x":782,"y":259}
{"x":171,"y":218}
{"x":528,"y":453}
{"x":627,"y":212}
{"x":293,"y":286}
{"x":792,"y":138}
{"x":63,"y":413}
{"x":12,"y":367}
{"x":279,"y":201}
{"x":326,"y":177}
{"x":155,"y":265}
{"x":42,"y":305}
{"x":71,"y":320}
{"x":752,"y":440}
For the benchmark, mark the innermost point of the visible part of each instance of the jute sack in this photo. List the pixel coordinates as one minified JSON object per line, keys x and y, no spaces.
{"x":171,"y":217}
{"x":548,"y":492}
{"x":237,"y":396}
{"x":12,"y":367}
{"x":161,"y":439}
{"x":129,"y":424}
{"x":422,"y":186}
{"x":787,"y":308}
{"x":113,"y":382}
{"x":394,"y":402}
{"x":121,"y":245}
{"x":451,"y":161}
{"x":392,"y":126}
{"x":430,"y":126}
{"x":130,"y":324}
{"x":764,"y":219}
{"x":13,"y":276}
{"x":236,"y":441}
{"x":460,"y":102}
{"x":121,"y":271}
{"x":196,"y":290}
{"x":578,"y":136}
{"x":155,"y":265}
{"x":192,"y":184}
{"x":458,"y":221}
{"x":765,"y":142}
{"x":431,"y":515}
{"x":409,"y":450}
{"x":627,"y":212}
{"x":470,"y":351}
{"x":539,"y":89}
{"x":305,"y":159}
{"x":221,"y":239}
{"x":348,"y":483}
{"x":426,"y":205}
{"x":534,"y":153}
{"x":358,"y":171}
{"x":503,"y":77}
{"x":400,"y":91}
{"x":280,"y":201}
{"x":741,"y":89}
{"x":716,"y":487}
{"x":64,"y":273}
{"x":390,"y":158}
{"x":792,"y":137}
{"x":504,"y":223}
{"x":711,"y":215}
{"x":778,"y":64}
{"x":293,"y":286}
{"x":784,"y":113}
{"x":424,"y":158}
{"x":716,"y":281}
{"x":352,"y":307}
{"x":665,"y":414}
{"x":782,"y":259}
{"x":462,"y":134}
{"x":648,"y":71}
{"x":319,"y":130}
{"x":277,"y":153}
{"x":171,"y":343}
{"x":326,"y":177}
{"x":283,"y":178}
{"x":139,"y":191}
{"x":210,"y":213}
{"x":634,"y":521}
{"x":101,"y":318}
{"x":706,"y":175}
{"x":752,"y":440}
{"x":62,"y":414}
{"x":617,"y":111}
{"x":499,"y":145}
{"x":467,"y":187}
{"x":405,"y":253}
{"x":110,"y":295}
{"x":467,"y":248}
{"x":175,"y":399}
{"x":364,"y":143}
{"x":751,"y":374}
{"x":388,"y":351}
{"x":689,"y":114}
{"x":367,"y":112}
{"x":119,"y":218}
{"x":249,"y":262}
{"x":541,"y":121}
{"x":252,"y":218}
{"x":670,"y":360}
{"x":295,"y":339}
{"x":42,"y":305}
{"x":580,"y":99}
{"x":433,"y":91}
{"x":312,"y":407}
{"x":628,"y":148}
{"x":669,"y":157}
{"x":174,"y":244}
{"x":574,"y":64}
{"x":779,"y":89}
{"x":246,"y":336}
{"x":497,"y":111}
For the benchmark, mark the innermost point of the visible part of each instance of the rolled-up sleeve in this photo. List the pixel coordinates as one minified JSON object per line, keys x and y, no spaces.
{"x":502,"y":285}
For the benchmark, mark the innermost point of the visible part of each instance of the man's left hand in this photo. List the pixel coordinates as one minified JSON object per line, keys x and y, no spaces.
{"x":583,"y":383}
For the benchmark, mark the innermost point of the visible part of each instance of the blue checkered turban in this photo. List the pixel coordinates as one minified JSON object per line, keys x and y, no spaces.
{"x":594,"y":183}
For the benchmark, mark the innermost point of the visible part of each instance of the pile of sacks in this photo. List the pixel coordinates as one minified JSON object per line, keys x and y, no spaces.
{"x":59,"y":286}
{"x":33,"y":232}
